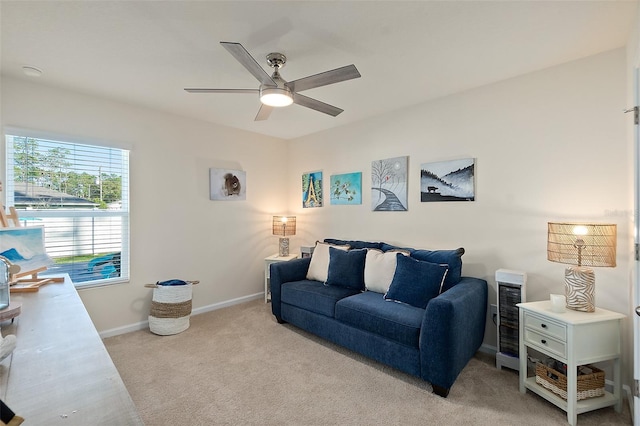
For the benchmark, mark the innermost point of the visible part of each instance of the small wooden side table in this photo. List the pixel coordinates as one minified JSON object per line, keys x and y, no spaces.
{"x":267,"y":272}
{"x":10,"y":312}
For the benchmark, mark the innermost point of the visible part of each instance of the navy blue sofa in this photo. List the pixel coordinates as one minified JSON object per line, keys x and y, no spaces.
{"x":434,"y":344}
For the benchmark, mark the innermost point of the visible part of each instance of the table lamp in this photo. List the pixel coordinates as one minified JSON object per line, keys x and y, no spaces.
{"x":284,"y":226}
{"x":583,"y":245}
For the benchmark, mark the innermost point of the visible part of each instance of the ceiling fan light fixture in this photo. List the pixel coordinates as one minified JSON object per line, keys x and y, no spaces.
{"x":276,"y":96}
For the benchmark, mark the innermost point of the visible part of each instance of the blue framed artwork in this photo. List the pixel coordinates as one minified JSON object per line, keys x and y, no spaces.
{"x":346,"y":189}
{"x":312,"y":190}
{"x":448,"y":180}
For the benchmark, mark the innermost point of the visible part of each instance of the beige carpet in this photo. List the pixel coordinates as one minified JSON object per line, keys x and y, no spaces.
{"x":237,"y":366}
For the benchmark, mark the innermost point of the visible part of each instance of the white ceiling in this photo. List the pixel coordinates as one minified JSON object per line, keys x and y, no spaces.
{"x":146,"y":52}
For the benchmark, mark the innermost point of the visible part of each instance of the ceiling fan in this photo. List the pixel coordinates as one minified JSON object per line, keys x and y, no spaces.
{"x":274,"y":91}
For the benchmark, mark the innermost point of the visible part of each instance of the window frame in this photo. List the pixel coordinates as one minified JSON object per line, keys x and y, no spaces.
{"x":123,"y":213}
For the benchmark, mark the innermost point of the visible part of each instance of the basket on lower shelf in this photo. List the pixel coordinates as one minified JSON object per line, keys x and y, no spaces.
{"x":589,"y":385}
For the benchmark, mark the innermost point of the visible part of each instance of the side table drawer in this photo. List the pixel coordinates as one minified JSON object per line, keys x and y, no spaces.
{"x":545,"y":327}
{"x":544,"y":341}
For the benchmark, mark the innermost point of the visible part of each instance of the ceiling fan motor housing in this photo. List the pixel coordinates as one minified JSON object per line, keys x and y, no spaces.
{"x":276,"y":60}
{"x":279,"y":95}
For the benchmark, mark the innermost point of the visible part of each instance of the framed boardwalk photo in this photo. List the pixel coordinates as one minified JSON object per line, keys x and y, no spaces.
{"x":448,"y":181}
{"x":389,"y":184}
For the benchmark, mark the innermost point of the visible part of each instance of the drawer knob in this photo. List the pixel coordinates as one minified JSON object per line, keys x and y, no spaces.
{"x":544,"y":342}
{"x":543,"y":325}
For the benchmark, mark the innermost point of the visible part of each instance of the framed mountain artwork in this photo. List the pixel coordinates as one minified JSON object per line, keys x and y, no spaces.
{"x":448,"y":180}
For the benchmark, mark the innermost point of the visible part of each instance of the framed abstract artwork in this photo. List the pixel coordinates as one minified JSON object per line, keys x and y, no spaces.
{"x":312,"y":190}
{"x":346,"y":188}
{"x":389,"y":184}
{"x":448,"y":180}
{"x":227,"y":185}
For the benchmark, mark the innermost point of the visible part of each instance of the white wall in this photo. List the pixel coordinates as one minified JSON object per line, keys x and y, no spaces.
{"x":550,"y":145}
{"x":176,"y":231}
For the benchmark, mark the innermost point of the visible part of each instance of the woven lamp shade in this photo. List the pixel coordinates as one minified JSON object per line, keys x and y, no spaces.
{"x":599,"y":241}
{"x":584,"y":245}
{"x":284,"y":225}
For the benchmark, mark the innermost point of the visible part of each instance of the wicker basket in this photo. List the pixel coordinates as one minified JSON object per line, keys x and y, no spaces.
{"x":170,"y":309}
{"x":589,"y":385}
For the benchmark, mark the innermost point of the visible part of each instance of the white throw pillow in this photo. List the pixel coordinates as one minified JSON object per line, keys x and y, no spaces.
{"x":379,"y":268}
{"x":319,"y":266}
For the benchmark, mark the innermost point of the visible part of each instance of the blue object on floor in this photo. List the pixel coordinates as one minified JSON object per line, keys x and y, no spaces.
{"x":172,"y":282}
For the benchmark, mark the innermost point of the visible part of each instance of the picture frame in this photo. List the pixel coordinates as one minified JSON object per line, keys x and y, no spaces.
{"x":312,"y":195}
{"x":346,"y":189}
{"x":227,"y":185}
{"x":24,"y":246}
{"x":389,"y":184}
{"x":452,"y":180}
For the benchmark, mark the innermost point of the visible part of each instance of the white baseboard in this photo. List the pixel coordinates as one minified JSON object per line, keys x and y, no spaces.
{"x":201,"y":310}
{"x":488,"y":349}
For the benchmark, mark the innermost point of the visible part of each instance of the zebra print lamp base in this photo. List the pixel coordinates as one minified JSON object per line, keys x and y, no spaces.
{"x":579,"y":287}
{"x":283,"y":247}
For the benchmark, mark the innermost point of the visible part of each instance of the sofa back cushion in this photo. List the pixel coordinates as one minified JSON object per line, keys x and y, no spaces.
{"x":346,"y":268}
{"x":453,"y":259}
{"x":416,"y":282}
{"x":319,"y":265}
{"x":379,"y":269}
{"x":354,"y":244}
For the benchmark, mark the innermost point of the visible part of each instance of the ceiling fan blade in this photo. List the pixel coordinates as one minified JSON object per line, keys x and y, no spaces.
{"x":247,"y":61}
{"x":328,"y":77}
{"x":195,"y":90}
{"x":308,"y":102}
{"x":263,"y":113}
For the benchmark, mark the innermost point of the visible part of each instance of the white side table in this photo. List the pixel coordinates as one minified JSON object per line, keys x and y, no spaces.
{"x":574,"y":338}
{"x":267,"y":272}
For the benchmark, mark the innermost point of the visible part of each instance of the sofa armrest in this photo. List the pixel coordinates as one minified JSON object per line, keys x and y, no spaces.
{"x":284,"y":272}
{"x":452,"y":331}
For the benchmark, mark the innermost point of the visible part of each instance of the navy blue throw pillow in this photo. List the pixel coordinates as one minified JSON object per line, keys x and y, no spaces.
{"x":415,"y":282}
{"x":346,"y":268}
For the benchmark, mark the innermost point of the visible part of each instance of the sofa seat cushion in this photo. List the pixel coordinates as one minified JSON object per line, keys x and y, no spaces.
{"x":369,"y":311}
{"x":314,"y":296}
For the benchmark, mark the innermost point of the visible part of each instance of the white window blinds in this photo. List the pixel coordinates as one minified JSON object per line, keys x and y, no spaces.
{"x":80,"y":194}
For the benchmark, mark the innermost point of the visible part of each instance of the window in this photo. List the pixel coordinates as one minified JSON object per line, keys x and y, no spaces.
{"x":80,"y":194}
